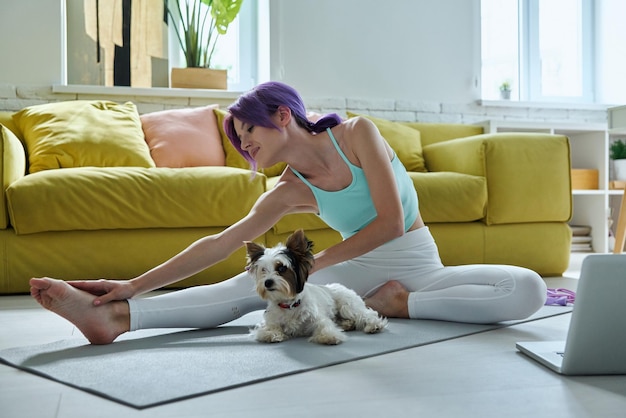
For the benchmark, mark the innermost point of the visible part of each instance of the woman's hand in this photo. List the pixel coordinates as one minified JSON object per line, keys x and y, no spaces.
{"x":106,"y":290}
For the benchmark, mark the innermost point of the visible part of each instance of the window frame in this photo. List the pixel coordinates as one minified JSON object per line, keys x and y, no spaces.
{"x":529,"y":58}
{"x":253,"y":36}
{"x":247,"y":57}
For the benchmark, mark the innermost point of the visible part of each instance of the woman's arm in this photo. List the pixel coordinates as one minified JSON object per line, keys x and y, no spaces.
{"x":203,"y":253}
{"x":374,"y":156}
{"x":207,"y":251}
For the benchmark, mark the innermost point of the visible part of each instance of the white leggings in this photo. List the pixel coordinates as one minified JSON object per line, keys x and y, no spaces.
{"x":481,"y":293}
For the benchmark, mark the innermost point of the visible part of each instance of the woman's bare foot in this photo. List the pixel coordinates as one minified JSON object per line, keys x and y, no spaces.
{"x":391,"y":300}
{"x":100,"y":324}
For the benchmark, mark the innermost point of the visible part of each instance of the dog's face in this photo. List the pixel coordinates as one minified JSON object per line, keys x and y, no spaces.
{"x":280,"y":272}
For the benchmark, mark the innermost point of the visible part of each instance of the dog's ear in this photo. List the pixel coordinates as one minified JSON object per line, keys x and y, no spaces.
{"x":300,"y":244}
{"x":255,"y":251}
{"x":301,"y":249}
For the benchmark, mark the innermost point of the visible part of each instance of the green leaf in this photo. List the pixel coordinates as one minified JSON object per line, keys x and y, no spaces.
{"x":617,"y":150}
{"x":224,"y":12}
{"x":199,"y":33}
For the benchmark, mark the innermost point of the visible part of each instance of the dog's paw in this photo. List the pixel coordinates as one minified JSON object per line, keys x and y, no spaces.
{"x":270,"y":338}
{"x":328,"y":337}
{"x":266,"y":335}
{"x":346,"y":324}
{"x":375,"y":326}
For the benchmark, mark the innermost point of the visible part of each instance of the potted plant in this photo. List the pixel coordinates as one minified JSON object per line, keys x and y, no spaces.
{"x":198,"y":25}
{"x":617,"y":152}
{"x":505,"y":90}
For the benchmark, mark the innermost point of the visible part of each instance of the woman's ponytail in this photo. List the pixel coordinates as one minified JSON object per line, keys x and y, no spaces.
{"x":329,"y":120}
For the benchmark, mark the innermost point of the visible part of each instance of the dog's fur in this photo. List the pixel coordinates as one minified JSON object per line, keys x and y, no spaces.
{"x":298,"y":309}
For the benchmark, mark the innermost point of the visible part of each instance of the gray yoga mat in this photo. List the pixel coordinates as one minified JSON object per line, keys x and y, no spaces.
{"x":146,"y":369}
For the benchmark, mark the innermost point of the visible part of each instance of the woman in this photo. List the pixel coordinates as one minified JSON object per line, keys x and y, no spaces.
{"x":348,"y":174}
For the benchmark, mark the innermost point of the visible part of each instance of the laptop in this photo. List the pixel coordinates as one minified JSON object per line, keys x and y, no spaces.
{"x":596,"y":340}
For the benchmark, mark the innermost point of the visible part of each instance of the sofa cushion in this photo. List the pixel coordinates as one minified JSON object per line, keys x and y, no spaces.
{"x":404,"y":140}
{"x":184,"y":137}
{"x":234,"y":159}
{"x":528,"y":174}
{"x":6,"y":119}
{"x":92,"y":198}
{"x":450,"y":197}
{"x":432,"y":133}
{"x":12,"y":168}
{"x":83,"y":133}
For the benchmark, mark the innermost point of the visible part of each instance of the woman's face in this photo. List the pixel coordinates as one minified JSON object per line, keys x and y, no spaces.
{"x":256,"y":140}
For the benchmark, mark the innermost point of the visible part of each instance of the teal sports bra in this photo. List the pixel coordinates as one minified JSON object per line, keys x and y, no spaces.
{"x":351,"y":209}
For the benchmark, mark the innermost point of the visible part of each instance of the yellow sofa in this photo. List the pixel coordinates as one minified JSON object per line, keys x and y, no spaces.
{"x":487,"y":198}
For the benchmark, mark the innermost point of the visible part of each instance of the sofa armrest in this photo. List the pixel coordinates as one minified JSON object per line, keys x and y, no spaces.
{"x":528,"y":174}
{"x":12,"y":168}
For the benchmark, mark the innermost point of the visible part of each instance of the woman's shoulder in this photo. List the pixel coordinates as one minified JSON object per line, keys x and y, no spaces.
{"x":358,"y":130}
{"x":288,"y":182}
{"x":358,"y":126}
{"x":362,"y":136}
{"x":358,"y":122}
{"x":292,"y":192}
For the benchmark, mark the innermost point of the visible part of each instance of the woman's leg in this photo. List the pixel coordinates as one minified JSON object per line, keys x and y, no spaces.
{"x":411,"y":256}
{"x":405,"y":278}
{"x":197,"y":307}
{"x":101,"y":324}
{"x":477,"y":294}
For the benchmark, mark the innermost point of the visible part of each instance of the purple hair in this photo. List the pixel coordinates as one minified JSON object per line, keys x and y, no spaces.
{"x":258,"y":105}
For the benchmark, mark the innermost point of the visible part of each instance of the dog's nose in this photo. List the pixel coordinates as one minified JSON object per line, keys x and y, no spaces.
{"x":269,"y":283}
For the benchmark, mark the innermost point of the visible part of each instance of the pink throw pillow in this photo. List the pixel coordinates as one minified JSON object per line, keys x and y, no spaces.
{"x":184,"y":137}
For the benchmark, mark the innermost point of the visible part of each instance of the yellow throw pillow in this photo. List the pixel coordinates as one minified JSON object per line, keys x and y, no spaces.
{"x":404,"y":140}
{"x":234,"y":159}
{"x":83,"y":133}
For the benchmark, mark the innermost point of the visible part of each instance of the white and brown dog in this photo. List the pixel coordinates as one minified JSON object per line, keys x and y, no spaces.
{"x":298,"y":310}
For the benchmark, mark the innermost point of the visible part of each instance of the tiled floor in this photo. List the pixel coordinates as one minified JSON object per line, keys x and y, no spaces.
{"x":480,"y":375}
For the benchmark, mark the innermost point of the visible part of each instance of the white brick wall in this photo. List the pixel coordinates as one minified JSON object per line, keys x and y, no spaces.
{"x":13,"y":98}
{"x":468,"y":113}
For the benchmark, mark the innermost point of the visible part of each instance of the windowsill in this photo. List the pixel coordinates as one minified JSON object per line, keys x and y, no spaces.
{"x":542,"y":105}
{"x":232,"y":95}
{"x":145,"y":91}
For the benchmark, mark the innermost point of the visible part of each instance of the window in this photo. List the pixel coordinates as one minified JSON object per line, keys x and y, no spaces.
{"x":542,"y":48}
{"x":109,"y":45}
{"x":236,"y":51}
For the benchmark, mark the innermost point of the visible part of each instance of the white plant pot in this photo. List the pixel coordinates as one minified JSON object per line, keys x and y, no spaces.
{"x":619,"y":169}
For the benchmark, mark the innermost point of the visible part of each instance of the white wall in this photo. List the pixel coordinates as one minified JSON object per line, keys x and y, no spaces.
{"x":31,"y":41}
{"x":418,"y":49}
{"x":403,"y":49}
{"x":401,"y":59}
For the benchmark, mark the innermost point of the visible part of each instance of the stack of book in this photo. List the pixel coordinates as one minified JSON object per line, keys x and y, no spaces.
{"x":581,"y":238}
